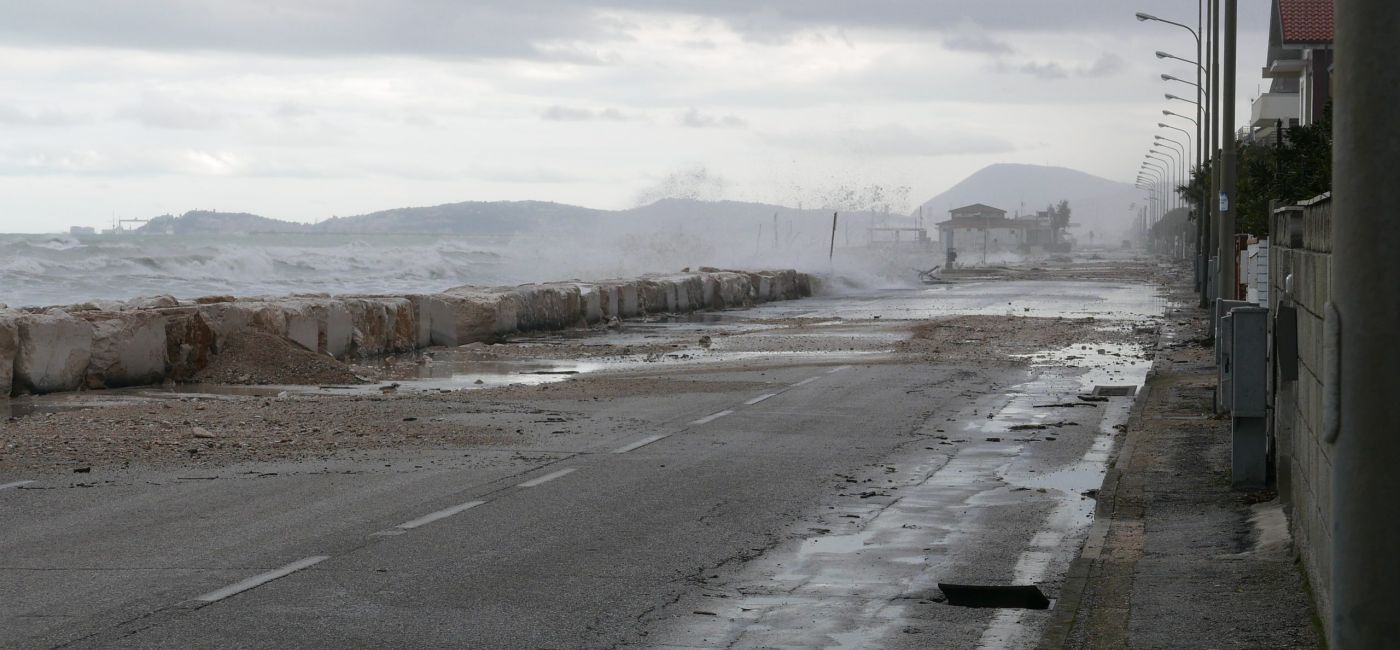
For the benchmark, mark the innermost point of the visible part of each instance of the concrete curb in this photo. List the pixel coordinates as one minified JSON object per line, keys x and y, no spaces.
{"x":1057,"y":630}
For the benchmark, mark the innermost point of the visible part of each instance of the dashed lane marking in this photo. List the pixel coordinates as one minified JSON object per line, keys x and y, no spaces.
{"x":547,"y":478}
{"x":15,"y":484}
{"x":441,"y":514}
{"x":806,"y":381}
{"x":760,"y":398}
{"x":261,"y":579}
{"x":640,"y":443}
{"x":838,"y":369}
{"x":713,"y":416}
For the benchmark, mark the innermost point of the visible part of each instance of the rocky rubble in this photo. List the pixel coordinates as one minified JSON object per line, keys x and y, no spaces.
{"x":153,"y":340}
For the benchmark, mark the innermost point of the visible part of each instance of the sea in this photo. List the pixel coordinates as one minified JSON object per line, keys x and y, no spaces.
{"x":39,"y":270}
{"x":45,"y":270}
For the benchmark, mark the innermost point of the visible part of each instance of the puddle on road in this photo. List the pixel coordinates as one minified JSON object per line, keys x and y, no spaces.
{"x":1040,"y":298}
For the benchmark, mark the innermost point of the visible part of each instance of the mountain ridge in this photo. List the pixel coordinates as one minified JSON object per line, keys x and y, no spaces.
{"x":1105,"y":207}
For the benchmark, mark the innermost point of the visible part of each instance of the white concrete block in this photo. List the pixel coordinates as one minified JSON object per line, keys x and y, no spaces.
{"x":9,"y":346}
{"x":53,"y":353}
{"x":128,"y":349}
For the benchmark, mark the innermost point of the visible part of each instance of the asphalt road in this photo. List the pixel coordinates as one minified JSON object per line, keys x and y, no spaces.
{"x":818,"y":510}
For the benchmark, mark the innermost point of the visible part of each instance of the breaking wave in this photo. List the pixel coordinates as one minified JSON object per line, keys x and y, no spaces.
{"x":49,"y":270}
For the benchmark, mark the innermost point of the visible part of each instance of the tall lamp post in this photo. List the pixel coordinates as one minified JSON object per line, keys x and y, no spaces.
{"x":1202,"y":227}
{"x":1365,"y":269}
{"x":1165,"y":166}
{"x":1228,"y":206}
{"x":1149,"y":179}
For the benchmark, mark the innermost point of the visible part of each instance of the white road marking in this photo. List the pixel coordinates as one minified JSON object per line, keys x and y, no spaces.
{"x":15,"y":484}
{"x":760,"y":398}
{"x":441,"y":514}
{"x":640,"y":443}
{"x":806,"y":381}
{"x":388,"y":533}
{"x":262,"y":579}
{"x":547,"y":478}
{"x":714,"y":416}
{"x":836,"y":370}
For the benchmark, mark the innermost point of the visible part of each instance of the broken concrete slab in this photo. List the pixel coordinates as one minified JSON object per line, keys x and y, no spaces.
{"x":53,"y":353}
{"x":189,"y":342}
{"x":9,"y":346}
{"x":128,"y":349}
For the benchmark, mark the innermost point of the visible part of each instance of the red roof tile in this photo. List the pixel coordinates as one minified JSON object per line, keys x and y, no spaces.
{"x":1306,"y":21}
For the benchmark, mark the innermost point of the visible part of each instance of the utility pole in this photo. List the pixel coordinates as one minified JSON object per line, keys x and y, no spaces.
{"x":831,"y":255}
{"x":1202,"y":222}
{"x":1213,"y":186}
{"x":1225,"y":270}
{"x":1365,"y":274}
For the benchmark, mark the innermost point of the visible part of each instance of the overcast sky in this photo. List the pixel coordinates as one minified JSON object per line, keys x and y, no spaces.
{"x":304,"y":109}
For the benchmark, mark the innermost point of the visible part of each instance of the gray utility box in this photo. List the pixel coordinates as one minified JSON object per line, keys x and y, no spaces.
{"x":1223,"y":342}
{"x":1247,"y":367}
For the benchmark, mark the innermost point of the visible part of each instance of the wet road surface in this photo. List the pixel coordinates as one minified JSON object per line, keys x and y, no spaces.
{"x":808,"y":501}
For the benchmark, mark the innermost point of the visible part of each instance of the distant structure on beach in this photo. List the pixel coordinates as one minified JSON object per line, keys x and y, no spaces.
{"x":980,"y":232}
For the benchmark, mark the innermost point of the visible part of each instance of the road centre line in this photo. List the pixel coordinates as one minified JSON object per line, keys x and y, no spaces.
{"x":15,"y":484}
{"x":641,"y":443}
{"x":760,"y":398}
{"x":838,"y":369}
{"x":713,"y":416}
{"x":547,"y":478}
{"x":261,"y":579}
{"x":806,"y":381}
{"x":441,"y":514}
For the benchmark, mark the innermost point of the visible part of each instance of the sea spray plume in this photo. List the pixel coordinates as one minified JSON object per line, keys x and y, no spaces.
{"x":693,"y":183}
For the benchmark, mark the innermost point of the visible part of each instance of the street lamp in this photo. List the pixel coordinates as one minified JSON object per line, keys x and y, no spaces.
{"x":1176,"y":147}
{"x":1188,"y":143}
{"x":1191,"y":120}
{"x":1161,"y":179}
{"x":1167,"y":77}
{"x":1178,"y":156}
{"x":1172,"y":97}
{"x":1164,"y":55}
{"x":1204,"y":117}
{"x":1165,"y":166}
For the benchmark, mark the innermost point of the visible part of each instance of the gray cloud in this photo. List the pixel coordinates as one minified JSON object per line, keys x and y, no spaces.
{"x":1042,"y":69}
{"x":165,"y":113}
{"x":1107,"y":65}
{"x":895,"y":140}
{"x":559,"y":113}
{"x":696,"y":120}
{"x":12,"y":116}
{"x":533,"y":29}
{"x":976,"y":42}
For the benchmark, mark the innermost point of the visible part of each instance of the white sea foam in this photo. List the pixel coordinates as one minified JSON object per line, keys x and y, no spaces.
{"x":55,"y":270}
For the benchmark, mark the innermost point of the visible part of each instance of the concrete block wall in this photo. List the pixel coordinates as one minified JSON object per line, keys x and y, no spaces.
{"x":1304,"y":459}
{"x":151,"y":340}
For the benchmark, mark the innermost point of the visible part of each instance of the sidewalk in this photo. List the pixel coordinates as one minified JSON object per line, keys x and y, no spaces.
{"x":1176,"y":559}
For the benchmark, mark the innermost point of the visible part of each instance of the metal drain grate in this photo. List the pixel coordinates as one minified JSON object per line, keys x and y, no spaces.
{"x":996,"y":596}
{"x":1114,"y":391}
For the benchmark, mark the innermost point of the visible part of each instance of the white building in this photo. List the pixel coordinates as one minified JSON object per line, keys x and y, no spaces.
{"x":1299,"y":68}
{"x":979,"y":234}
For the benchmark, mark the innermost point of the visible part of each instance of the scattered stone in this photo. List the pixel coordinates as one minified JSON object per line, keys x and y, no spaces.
{"x":201,"y":432}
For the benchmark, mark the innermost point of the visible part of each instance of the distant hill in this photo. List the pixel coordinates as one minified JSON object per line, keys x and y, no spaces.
{"x":466,"y":218}
{"x":204,"y":222}
{"x":1100,"y":205}
{"x":504,"y":218}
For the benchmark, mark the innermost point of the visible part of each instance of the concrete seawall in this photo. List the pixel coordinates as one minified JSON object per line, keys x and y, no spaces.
{"x":149,"y":341}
